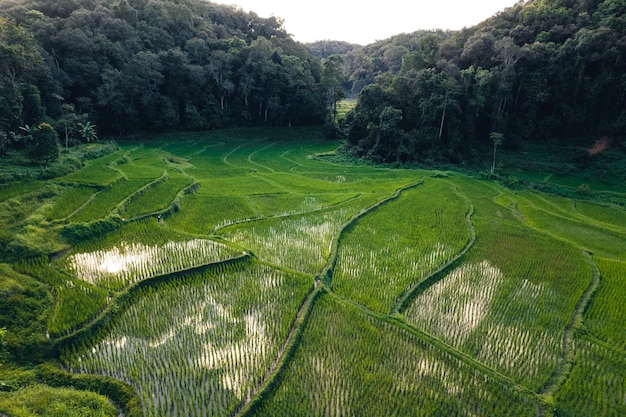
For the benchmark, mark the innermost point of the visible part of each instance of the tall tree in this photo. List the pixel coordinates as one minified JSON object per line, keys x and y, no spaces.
{"x":332,"y":83}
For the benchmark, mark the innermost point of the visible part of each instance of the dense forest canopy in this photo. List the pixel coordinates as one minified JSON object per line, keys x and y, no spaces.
{"x":548,"y":70}
{"x":135,"y":65}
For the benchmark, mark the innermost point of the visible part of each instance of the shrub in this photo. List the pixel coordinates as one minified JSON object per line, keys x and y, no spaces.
{"x":79,"y":232}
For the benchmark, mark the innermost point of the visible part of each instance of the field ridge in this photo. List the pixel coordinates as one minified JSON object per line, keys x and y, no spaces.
{"x":566,"y":361}
{"x":432,"y":277}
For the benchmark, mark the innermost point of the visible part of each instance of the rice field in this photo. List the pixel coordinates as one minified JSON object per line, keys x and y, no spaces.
{"x":101,"y":172}
{"x":70,"y":200}
{"x":364,"y":291}
{"x":396,"y":246}
{"x":353,"y":364}
{"x":104,"y":202}
{"x":200,"y":346}
{"x":597,"y":384}
{"x":300,"y":242}
{"x":129,"y":262}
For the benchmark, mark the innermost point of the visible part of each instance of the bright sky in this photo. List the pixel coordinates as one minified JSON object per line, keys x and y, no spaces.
{"x":364,"y":21}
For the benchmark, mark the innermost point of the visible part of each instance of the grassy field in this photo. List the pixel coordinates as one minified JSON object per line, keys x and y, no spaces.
{"x":247,"y":272}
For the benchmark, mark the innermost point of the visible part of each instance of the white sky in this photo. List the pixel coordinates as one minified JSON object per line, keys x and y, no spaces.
{"x":366,"y":21}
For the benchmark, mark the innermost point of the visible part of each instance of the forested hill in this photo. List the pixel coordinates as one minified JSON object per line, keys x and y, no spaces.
{"x":139,"y":65}
{"x":547,"y":70}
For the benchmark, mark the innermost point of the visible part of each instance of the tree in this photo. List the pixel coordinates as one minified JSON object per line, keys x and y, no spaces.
{"x":87,"y":131}
{"x":496,"y":138}
{"x":21,"y":65}
{"x":3,"y":345}
{"x":332,"y":83}
{"x":44,"y":146}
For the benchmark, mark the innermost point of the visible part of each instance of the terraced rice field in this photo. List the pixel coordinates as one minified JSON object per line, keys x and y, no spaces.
{"x":253,"y":277}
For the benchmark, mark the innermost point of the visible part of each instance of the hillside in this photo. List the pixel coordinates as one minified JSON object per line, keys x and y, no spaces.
{"x":137,"y":66}
{"x":545,"y":70}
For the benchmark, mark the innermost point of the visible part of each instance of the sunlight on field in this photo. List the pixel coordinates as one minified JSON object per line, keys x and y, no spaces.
{"x":131,"y":262}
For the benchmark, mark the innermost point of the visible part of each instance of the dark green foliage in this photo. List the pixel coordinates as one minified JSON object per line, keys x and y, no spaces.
{"x":24,"y":307}
{"x":79,"y":232}
{"x":21,"y":66}
{"x":540,"y":70}
{"x":326,"y":48}
{"x":44,"y":146}
{"x":159,"y":66}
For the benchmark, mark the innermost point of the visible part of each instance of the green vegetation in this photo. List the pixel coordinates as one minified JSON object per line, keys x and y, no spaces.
{"x":41,"y":400}
{"x":77,"y":302}
{"x":221,"y":340}
{"x":398,"y":245}
{"x":259,"y":272}
{"x":352,"y":363}
{"x":70,"y":200}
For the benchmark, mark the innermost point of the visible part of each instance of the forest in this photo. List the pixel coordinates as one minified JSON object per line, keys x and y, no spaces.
{"x":152,"y":66}
{"x":547,"y":70}
{"x":543,"y":70}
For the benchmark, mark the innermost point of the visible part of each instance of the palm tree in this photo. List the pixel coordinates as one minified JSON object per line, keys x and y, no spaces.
{"x":88,"y":131}
{"x":497,"y":139}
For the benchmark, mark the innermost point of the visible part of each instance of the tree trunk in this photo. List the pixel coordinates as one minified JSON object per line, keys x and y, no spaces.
{"x":443,"y":116}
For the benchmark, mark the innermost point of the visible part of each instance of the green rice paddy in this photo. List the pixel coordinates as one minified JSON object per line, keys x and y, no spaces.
{"x":249,"y":275}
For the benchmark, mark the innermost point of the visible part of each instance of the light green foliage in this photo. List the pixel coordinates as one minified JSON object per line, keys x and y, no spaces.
{"x":41,"y":400}
{"x":352,"y":364}
{"x":597,"y":384}
{"x":397,"y":245}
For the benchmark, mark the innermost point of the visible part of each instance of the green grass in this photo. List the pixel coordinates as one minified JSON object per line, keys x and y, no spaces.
{"x":42,"y":400}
